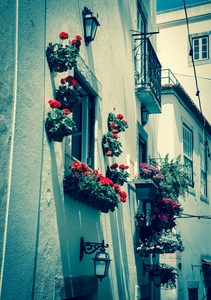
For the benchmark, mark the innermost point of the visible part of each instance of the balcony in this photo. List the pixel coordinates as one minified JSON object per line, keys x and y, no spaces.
{"x":148,"y":76}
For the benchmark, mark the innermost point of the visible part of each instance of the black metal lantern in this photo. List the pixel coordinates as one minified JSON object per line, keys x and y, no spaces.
{"x":101,"y":260}
{"x":144,"y":115}
{"x":90,"y":25}
{"x":155,"y":274}
{"x":101,"y":264}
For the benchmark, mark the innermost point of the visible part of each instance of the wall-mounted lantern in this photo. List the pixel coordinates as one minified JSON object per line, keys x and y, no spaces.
{"x":90,"y":25}
{"x":101,"y":260}
{"x":154,"y":272}
{"x":144,"y":115}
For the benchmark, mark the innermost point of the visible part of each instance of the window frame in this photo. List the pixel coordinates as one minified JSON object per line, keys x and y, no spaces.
{"x":200,"y":46}
{"x":203,"y":168}
{"x":187,"y":158}
{"x":87,"y":133}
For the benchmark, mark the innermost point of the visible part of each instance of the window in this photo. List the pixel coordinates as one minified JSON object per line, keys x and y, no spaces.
{"x":83,"y":139}
{"x":201,"y":48}
{"x":140,"y":53}
{"x":188,"y":151}
{"x":203,"y":167}
{"x":193,"y":294}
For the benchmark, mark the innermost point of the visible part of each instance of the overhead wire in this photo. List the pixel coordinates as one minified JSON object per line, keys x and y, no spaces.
{"x":195,"y":76}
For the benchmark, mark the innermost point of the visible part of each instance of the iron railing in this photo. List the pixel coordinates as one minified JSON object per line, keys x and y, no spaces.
{"x":148,"y":68}
{"x":168,"y":77}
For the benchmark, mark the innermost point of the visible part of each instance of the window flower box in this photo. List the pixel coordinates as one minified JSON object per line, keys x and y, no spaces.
{"x":92,"y":188}
{"x":145,"y":190}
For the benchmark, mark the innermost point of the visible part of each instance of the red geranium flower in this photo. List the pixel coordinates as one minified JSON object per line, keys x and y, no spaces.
{"x":122,"y":167}
{"x":114,"y":166}
{"x":113,"y":125}
{"x":66,"y":111}
{"x":71,"y":80}
{"x":115,"y":135}
{"x":95,"y":171}
{"x":62,"y":81}
{"x":119,"y":116}
{"x":124,"y":121}
{"x":78,"y":37}
{"x":63,"y":35}
{"x":123,"y":194}
{"x":122,"y":199}
{"x":54,"y":103}
{"x":73,"y":42}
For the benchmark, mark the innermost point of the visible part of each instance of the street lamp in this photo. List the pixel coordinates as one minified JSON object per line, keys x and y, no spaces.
{"x":101,"y":260}
{"x":90,"y":25}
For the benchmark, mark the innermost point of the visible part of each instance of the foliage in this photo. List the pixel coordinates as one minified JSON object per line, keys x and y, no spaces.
{"x":63,"y":57}
{"x":165,"y":212}
{"x":161,"y":242}
{"x":67,"y":94}
{"x":168,"y":275}
{"x":58,"y":125}
{"x":110,"y":142}
{"x":96,"y":190}
{"x":176,"y":180}
{"x":117,"y":176}
{"x":117,"y":122}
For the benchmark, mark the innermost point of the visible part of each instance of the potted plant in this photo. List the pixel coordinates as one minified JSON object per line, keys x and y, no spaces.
{"x":161,"y":242}
{"x":92,"y":188}
{"x":62,"y":57}
{"x":176,"y":179}
{"x":67,"y":93}
{"x":116,"y":123}
{"x":117,"y":173}
{"x":165,"y":213}
{"x":168,"y":275}
{"x":111,"y":145}
{"x":58,"y":124}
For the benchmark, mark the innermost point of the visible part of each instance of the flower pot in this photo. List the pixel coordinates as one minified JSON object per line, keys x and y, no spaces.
{"x":158,"y":225}
{"x":109,"y":153}
{"x":159,"y":198}
{"x":141,"y":223}
{"x":115,"y":130}
{"x":57,"y":138}
{"x":59,"y":67}
{"x":145,"y":190}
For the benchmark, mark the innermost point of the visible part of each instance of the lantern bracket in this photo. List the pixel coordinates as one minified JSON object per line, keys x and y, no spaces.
{"x":89,"y":248}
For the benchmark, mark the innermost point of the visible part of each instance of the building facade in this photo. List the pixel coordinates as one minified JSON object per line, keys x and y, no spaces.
{"x":41,"y":226}
{"x":188,"y":135}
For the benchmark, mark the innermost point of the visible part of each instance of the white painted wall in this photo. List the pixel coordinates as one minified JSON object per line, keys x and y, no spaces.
{"x":173,"y":49}
{"x":42,"y":225}
{"x":193,"y":231}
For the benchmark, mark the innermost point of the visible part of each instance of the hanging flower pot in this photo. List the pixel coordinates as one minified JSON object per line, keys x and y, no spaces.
{"x":109,"y":153}
{"x":57,"y":138}
{"x":145,"y":190}
{"x":115,"y":130}
{"x":59,"y":67}
{"x":158,"y":225}
{"x":141,"y":222}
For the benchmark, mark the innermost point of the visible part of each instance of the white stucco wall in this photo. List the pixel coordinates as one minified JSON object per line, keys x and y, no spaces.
{"x":193,"y":230}
{"x":173,"y":49}
{"x":43,"y":226}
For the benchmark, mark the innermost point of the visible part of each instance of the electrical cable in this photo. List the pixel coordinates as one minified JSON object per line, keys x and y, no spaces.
{"x":195,"y":76}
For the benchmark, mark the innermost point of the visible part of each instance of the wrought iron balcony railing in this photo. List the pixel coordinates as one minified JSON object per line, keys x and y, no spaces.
{"x":148,"y":68}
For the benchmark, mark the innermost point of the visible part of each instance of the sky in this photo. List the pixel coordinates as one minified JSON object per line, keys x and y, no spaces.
{"x":168,"y":4}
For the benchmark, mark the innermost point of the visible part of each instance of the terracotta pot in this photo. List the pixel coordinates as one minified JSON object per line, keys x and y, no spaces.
{"x":109,"y":153}
{"x":115,"y":130}
{"x":59,"y":67}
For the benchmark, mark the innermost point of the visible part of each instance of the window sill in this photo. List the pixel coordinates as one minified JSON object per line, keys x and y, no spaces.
{"x":191,"y":191}
{"x":204,"y":199}
{"x":199,"y":62}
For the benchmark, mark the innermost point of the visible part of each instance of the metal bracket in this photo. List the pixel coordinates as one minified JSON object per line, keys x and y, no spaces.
{"x":89,"y":248}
